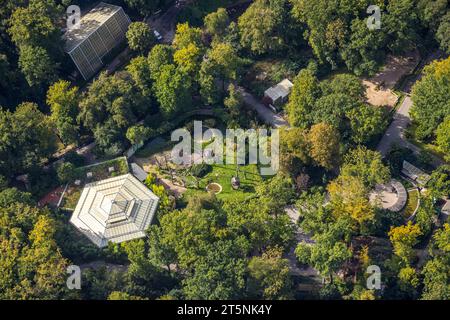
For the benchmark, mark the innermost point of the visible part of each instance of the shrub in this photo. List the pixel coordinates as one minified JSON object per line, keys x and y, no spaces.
{"x":75,"y":158}
{"x":66,"y":172}
{"x":200,"y":170}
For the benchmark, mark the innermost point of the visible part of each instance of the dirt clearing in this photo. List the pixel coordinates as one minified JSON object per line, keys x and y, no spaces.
{"x":380,"y":87}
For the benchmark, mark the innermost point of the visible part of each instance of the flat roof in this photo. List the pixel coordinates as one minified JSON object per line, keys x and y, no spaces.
{"x":89,"y":23}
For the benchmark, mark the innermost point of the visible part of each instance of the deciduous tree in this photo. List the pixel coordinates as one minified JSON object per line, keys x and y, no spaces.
{"x":140,"y":37}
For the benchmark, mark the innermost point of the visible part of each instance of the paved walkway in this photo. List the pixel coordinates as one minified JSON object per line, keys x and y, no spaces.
{"x":300,"y":236}
{"x":165,"y":23}
{"x":402,"y":119}
{"x":395,"y":133}
{"x":267,"y":115}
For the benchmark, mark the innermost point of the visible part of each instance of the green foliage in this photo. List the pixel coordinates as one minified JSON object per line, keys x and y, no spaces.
{"x":395,"y":158}
{"x":165,"y":203}
{"x":366,"y":122}
{"x":36,"y":66}
{"x":276,"y":193}
{"x":337,"y":31}
{"x":436,"y":280}
{"x":329,"y":252}
{"x":262,"y":26}
{"x":200,"y":170}
{"x":367,"y":165}
{"x":12,"y":196}
{"x":403,"y":239}
{"x":439,"y":184}
{"x":301,"y":101}
{"x":219,"y":273}
{"x":294,"y":150}
{"x":66,"y":172}
{"x":63,"y":101}
{"x":118,"y":295}
{"x":362,"y":54}
{"x":97,"y":283}
{"x":159,"y":56}
{"x":145,"y":7}
{"x":222,"y":65}
{"x":349,"y":192}
{"x":443,"y":137}
{"x":217,"y":22}
{"x":172,"y":90}
{"x":269,"y":276}
{"x":109,"y":108}
{"x":430,"y":97}
{"x":34,"y":31}
{"x":35,"y":24}
{"x":137,"y":134}
{"x":324,"y":145}
{"x":262,"y":228}
{"x":443,"y":31}
{"x":186,"y":35}
{"x":425,"y":216}
{"x":139,"y":69}
{"x":188,"y":60}
{"x":401,"y":24}
{"x":408,"y":280}
{"x":338,"y":102}
{"x":140,"y":37}
{"x":436,"y":271}
{"x":32,"y":265}
{"x":26,"y":139}
{"x":234,"y":102}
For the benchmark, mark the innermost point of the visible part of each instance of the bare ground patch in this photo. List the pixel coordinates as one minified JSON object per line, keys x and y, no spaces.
{"x":380,"y":87}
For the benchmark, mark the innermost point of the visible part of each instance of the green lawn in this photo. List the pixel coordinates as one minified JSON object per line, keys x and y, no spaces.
{"x":222,"y":174}
{"x":411,"y":204}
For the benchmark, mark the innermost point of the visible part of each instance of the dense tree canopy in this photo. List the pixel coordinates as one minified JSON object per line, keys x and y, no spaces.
{"x":206,"y":246}
{"x":140,"y":37}
{"x":263,"y":26}
{"x":33,"y":267}
{"x":172,"y":90}
{"x":63,"y":101}
{"x":436,"y":271}
{"x":269,"y":275}
{"x":430,"y":97}
{"x":27,"y":139}
{"x":36,"y":66}
{"x":109,"y":108}
{"x":338,"y":102}
{"x":216,"y":23}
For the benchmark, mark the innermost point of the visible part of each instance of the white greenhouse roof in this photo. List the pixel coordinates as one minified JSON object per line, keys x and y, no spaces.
{"x":281,"y":90}
{"x":116,"y":209}
{"x":415,"y":173}
{"x":89,"y":23}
